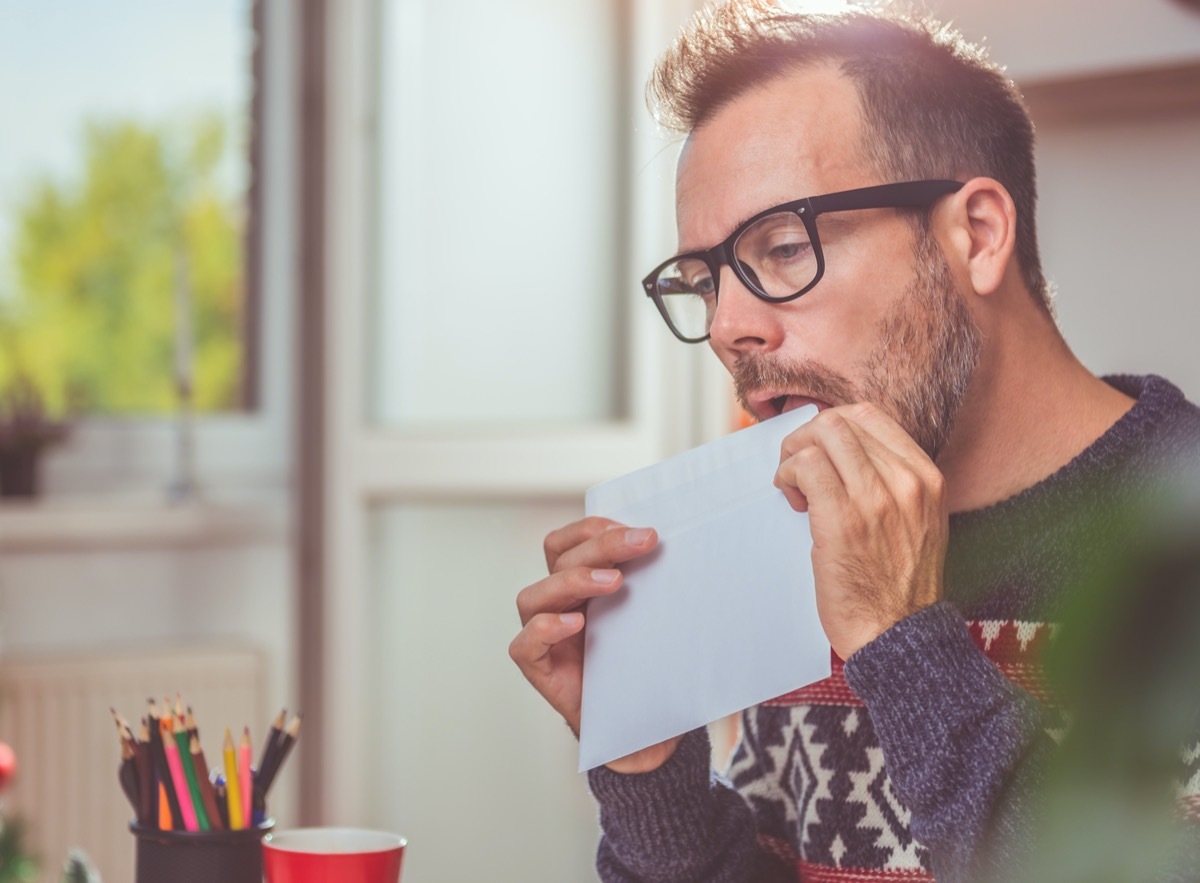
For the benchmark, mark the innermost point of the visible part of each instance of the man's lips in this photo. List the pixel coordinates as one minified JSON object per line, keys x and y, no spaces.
{"x":770,"y":403}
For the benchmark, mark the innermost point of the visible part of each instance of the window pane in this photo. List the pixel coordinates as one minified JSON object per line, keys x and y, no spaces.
{"x":500,"y":258}
{"x":123,"y":180}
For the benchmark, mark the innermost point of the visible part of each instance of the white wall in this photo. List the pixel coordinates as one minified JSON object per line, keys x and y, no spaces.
{"x":1039,"y":40}
{"x":1119,"y":234}
{"x":1116,"y":217}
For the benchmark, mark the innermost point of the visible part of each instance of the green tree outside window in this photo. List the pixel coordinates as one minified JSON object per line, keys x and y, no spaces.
{"x":92,"y":320}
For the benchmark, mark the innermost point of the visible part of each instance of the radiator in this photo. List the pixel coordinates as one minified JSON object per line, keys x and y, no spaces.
{"x":54,"y":712}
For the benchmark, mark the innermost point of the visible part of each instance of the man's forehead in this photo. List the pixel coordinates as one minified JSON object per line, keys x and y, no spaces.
{"x":796,"y":135}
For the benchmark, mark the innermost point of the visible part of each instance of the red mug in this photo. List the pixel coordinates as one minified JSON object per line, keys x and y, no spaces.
{"x":332,"y":855}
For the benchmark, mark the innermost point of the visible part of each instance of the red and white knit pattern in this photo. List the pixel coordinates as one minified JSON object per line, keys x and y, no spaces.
{"x":811,"y":767}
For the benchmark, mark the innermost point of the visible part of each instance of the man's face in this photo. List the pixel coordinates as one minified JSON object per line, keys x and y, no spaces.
{"x":885,"y":324}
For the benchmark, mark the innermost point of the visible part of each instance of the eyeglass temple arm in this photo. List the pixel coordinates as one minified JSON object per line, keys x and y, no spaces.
{"x":908,"y":194}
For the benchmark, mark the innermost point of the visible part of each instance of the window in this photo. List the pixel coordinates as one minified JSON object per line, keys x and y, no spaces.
{"x":134,"y":269}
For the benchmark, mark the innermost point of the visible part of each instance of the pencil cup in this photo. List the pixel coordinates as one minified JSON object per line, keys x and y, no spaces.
{"x":333,"y":855}
{"x":199,"y":856}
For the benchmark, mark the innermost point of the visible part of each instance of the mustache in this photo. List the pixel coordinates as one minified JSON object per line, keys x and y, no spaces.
{"x":754,"y":372}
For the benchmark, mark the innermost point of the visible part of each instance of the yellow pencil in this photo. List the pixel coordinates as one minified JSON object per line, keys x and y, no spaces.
{"x":233,"y":794}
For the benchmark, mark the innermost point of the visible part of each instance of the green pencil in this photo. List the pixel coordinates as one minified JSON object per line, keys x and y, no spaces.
{"x":189,"y":772}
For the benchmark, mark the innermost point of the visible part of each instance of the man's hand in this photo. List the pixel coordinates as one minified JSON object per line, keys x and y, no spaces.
{"x":581,"y":558}
{"x":879,"y":521}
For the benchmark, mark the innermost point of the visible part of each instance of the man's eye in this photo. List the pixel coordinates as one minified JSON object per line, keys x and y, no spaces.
{"x":786,"y":251}
{"x":702,"y":285}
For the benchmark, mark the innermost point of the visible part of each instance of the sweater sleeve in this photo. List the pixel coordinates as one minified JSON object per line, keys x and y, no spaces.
{"x":964,"y":746}
{"x":678,"y":824}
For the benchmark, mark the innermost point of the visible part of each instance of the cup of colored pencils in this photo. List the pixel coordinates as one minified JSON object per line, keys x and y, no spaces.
{"x":193,"y":822}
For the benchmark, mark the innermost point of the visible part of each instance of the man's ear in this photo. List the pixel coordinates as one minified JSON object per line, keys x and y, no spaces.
{"x":981,"y":225}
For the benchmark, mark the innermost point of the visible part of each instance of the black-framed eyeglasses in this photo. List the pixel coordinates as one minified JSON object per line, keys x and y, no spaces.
{"x":776,"y":254}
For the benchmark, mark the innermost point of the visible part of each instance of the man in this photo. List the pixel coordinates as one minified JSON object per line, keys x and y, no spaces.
{"x":964,"y":478}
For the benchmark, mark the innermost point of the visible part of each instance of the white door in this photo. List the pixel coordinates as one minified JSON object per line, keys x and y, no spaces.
{"x":495,"y":186}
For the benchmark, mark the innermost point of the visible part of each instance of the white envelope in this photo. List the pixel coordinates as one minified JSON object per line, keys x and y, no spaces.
{"x":721,"y":616}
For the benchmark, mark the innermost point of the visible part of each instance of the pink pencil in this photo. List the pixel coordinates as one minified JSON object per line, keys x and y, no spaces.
{"x":244,"y":778}
{"x":175,"y":765}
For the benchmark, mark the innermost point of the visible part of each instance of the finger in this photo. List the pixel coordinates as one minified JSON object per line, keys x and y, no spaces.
{"x":795,"y":499}
{"x":559,"y":541}
{"x":874,"y":421}
{"x":566,"y":590}
{"x":549,"y":653}
{"x":908,"y":474}
{"x":835,"y":435}
{"x":612,"y":546}
{"x":532,"y":645}
{"x":811,"y":473}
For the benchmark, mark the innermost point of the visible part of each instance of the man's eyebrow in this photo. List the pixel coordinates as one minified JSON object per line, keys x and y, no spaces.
{"x":752,"y":214}
{"x":723,"y":238}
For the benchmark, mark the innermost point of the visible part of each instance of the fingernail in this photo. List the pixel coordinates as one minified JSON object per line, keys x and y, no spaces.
{"x":605,"y":577}
{"x":637,"y":536}
{"x":571,"y":619}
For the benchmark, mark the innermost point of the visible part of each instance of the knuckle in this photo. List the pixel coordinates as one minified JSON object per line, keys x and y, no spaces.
{"x":830,"y":417}
{"x":863,"y":410}
{"x":911,"y":491}
{"x":808,"y":457}
{"x":612,"y":542}
{"x":881,"y":505}
{"x":836,"y":423}
{"x":937,"y":485}
{"x":909,"y":485}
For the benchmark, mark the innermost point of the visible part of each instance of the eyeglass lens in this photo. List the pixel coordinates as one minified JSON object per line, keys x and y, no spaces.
{"x":776,"y":258}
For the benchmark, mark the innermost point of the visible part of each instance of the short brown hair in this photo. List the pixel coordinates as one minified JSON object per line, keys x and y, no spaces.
{"x":933,"y":104}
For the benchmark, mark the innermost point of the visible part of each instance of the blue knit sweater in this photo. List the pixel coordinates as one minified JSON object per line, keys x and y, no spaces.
{"x":929,"y":751}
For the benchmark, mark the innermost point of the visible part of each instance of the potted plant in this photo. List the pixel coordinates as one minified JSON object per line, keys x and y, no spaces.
{"x":26,"y":430}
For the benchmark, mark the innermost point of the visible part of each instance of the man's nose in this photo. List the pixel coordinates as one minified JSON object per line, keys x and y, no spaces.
{"x":743,"y":322}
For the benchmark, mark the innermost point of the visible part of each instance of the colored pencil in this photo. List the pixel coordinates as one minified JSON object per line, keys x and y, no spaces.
{"x":127,"y":771}
{"x":162,"y":770}
{"x":271,"y":745}
{"x":147,"y":793}
{"x":168,"y":782}
{"x":122,"y":726}
{"x":222,"y":800}
{"x":233,"y":792}
{"x":245,"y":782}
{"x":289,"y":739}
{"x":182,"y":743}
{"x":127,"y":774}
{"x":207,"y":796}
{"x":165,"y":823}
{"x":178,"y":779}
{"x":193,"y":730}
{"x":258,"y":806}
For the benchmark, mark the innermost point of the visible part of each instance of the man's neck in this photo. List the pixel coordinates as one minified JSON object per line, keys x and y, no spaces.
{"x":1032,"y":407}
